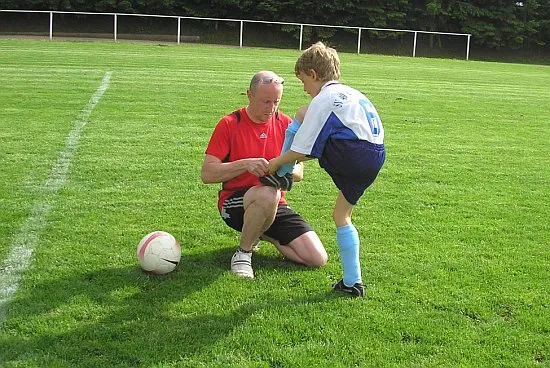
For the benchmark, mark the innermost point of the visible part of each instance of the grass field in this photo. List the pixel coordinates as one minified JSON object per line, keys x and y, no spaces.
{"x":455,"y":234}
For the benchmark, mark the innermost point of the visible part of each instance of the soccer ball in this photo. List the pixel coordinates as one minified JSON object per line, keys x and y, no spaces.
{"x":158,"y":252}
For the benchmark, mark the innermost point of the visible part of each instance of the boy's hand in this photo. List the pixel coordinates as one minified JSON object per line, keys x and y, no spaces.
{"x":287,"y":157}
{"x":273,"y":166}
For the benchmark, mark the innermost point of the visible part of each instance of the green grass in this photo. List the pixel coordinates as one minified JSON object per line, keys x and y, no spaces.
{"x":454,"y":232}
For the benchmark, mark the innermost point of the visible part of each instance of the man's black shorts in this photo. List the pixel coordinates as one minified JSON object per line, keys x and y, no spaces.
{"x":288,"y":225}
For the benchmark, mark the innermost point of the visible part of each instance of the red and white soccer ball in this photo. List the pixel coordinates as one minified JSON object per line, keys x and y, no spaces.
{"x":158,"y":252}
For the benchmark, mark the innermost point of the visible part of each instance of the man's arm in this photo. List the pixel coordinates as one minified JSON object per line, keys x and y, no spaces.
{"x":298,"y":172}
{"x":215,"y":171}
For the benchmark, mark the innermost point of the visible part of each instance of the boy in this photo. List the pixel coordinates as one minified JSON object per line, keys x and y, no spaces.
{"x":342,"y":129}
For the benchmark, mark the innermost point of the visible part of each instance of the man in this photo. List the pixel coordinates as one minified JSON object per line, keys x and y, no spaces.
{"x":238,"y":153}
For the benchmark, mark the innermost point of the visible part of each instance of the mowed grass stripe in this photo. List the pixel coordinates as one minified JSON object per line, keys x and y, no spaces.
{"x":25,"y":241}
{"x":38,"y":109}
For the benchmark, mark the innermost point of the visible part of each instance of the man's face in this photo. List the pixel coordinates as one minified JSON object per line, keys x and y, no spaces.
{"x":264,"y":101}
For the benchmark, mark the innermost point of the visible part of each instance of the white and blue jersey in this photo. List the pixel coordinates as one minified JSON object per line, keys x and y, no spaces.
{"x":338,"y":112}
{"x":343,"y":130}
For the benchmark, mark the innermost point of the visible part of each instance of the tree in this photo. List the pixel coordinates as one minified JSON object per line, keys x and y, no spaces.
{"x":496,"y":24}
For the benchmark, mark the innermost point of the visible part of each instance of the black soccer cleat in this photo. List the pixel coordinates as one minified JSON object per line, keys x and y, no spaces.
{"x":357,"y":290}
{"x":276,"y":181}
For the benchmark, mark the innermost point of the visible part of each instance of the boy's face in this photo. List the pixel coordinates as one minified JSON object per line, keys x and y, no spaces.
{"x":312,"y":84}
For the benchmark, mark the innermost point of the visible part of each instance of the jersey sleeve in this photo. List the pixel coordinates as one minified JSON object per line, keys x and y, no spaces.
{"x":220,"y":144}
{"x":312,"y":134}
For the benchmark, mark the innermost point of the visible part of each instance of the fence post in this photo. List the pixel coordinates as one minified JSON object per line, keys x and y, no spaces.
{"x":468,"y":48}
{"x":414,"y":44}
{"x":359,"y":42}
{"x":179,"y":29}
{"x":301,"y":35}
{"x":51,"y":26}
{"x":115,"y":27}
{"x":241,"y":35}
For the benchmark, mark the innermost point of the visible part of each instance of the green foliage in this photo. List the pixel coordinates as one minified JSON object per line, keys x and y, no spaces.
{"x":499,"y":24}
{"x":496,"y":24}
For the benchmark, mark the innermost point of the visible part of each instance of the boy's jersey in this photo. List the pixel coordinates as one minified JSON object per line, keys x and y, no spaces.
{"x":237,"y":137}
{"x":337,"y":112}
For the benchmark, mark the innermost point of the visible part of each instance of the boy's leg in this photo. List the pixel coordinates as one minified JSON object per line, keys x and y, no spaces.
{"x":348,"y":244}
{"x":289,"y":138}
{"x":282,"y":179}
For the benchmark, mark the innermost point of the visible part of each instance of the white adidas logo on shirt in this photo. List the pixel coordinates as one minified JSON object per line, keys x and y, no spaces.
{"x":263,"y":136}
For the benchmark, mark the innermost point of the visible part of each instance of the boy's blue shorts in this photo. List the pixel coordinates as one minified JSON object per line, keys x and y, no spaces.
{"x":353,"y":165}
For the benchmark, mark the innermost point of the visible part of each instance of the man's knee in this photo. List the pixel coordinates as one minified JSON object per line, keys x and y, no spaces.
{"x":309,"y":248}
{"x":262,"y":195}
{"x":318,"y":259}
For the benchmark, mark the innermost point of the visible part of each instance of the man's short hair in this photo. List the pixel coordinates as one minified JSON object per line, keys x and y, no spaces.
{"x":264,"y":77}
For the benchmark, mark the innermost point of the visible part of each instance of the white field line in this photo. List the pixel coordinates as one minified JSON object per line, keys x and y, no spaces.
{"x":19,"y":257}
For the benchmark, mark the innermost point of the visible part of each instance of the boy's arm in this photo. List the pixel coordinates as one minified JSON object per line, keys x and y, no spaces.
{"x":285,"y":158}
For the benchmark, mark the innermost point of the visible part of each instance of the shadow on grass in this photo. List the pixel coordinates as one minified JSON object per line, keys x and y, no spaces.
{"x":126,"y":318}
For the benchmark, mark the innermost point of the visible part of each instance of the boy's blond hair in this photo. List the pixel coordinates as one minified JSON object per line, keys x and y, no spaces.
{"x":321,"y":58}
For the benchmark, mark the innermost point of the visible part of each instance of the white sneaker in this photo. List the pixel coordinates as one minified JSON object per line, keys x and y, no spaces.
{"x":241,"y":264}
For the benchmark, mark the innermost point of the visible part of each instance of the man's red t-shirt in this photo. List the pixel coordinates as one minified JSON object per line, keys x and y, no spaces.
{"x":234,"y":139}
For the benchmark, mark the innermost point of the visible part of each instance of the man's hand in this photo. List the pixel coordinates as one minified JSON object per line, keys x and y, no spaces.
{"x":257,"y":166}
{"x":298,"y":172}
{"x":215,"y":171}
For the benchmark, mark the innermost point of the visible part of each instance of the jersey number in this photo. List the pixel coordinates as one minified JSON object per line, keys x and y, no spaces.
{"x":372,"y":118}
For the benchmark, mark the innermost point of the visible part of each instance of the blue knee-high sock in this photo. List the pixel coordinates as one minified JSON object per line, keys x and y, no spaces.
{"x":289,"y":137}
{"x":348,"y":242}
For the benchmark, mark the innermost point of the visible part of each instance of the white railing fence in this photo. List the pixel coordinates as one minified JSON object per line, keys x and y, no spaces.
{"x":240,"y":23}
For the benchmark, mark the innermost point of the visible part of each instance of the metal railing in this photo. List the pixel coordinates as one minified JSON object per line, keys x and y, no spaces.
{"x":242,"y":22}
